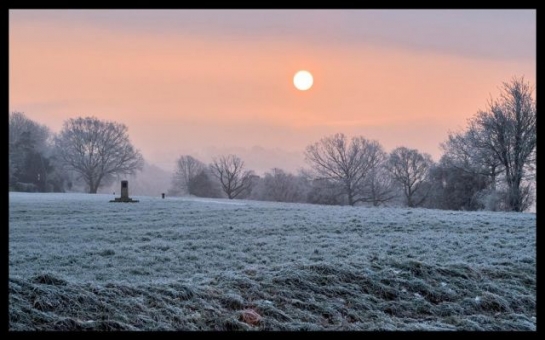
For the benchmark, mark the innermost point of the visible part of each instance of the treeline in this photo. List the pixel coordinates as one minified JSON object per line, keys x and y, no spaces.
{"x":33,"y":161}
{"x":88,"y":153}
{"x":488,"y":166}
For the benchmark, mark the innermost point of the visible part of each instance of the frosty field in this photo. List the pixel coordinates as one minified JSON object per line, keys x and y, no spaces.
{"x":79,"y":262}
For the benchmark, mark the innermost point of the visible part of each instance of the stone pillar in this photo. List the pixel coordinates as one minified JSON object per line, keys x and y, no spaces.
{"x":124,"y":190}
{"x":124,"y":193}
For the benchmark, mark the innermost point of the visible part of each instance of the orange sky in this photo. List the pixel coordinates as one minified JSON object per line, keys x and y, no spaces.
{"x":183,"y":91}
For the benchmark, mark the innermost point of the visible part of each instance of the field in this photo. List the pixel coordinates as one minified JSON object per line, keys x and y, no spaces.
{"x":78,"y":262}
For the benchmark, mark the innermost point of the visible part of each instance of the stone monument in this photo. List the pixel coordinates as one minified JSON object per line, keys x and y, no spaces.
{"x":124,"y":194}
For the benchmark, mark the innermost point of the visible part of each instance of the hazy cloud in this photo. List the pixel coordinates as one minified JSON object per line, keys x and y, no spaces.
{"x":494,"y":33}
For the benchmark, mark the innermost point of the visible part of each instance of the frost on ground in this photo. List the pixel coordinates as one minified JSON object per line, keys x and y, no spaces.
{"x":78,"y":262}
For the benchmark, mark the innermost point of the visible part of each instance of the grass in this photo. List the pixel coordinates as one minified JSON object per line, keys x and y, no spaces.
{"x":79,"y":263}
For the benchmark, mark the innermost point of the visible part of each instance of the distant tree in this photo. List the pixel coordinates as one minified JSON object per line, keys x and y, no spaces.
{"x":253,"y":181}
{"x":12,"y":168}
{"x":409,"y":168}
{"x":492,"y":199}
{"x":502,"y":139}
{"x":187,"y":168}
{"x":97,"y":150}
{"x":27,"y":133}
{"x":461,"y":153}
{"x":348,"y":164}
{"x":201,"y":185}
{"x":454,"y":188}
{"x":327,"y":192}
{"x":379,"y":186}
{"x":280,"y":186}
{"x":508,"y":130}
{"x":29,"y":149}
{"x":234,"y":180}
{"x":58,"y":178}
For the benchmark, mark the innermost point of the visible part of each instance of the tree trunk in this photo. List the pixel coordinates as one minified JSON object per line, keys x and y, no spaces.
{"x":409,"y":194}
{"x":93,"y":187}
{"x":515,"y":199}
{"x":350,"y":193}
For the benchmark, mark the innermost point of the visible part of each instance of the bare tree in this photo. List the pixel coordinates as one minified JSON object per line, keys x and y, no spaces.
{"x":460,"y":152}
{"x":380,"y":186}
{"x":187,"y":168}
{"x":455,"y":188}
{"x":24,"y":131}
{"x":97,"y":150}
{"x":347,"y":163}
{"x":326,"y":191}
{"x":234,"y":180}
{"x":409,"y":168}
{"x":508,"y":130}
{"x":29,"y":154}
{"x":203,"y":186}
{"x":502,"y":140}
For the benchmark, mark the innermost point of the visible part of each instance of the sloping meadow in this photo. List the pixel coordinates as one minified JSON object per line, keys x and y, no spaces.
{"x":78,"y":262}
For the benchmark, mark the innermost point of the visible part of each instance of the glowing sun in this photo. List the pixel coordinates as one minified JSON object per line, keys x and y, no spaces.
{"x":303,"y":80}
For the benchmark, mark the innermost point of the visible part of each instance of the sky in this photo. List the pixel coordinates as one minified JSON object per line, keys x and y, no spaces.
{"x":212,"y":82}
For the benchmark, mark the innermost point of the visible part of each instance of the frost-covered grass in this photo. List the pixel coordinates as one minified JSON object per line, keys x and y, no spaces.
{"x":77,"y":261}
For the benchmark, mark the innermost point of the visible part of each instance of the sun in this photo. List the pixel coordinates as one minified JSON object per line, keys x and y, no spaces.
{"x":303,"y":80}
